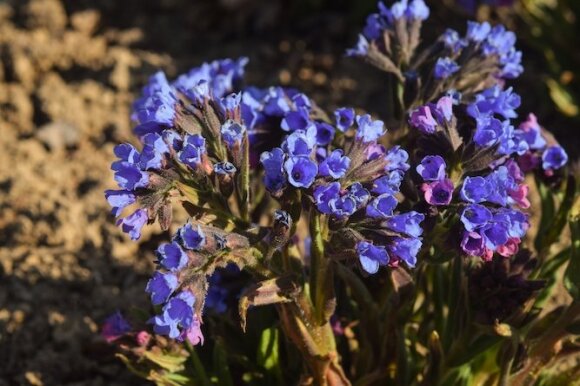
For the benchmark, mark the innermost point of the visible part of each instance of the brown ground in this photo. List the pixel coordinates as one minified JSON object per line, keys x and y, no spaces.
{"x":70,"y":69}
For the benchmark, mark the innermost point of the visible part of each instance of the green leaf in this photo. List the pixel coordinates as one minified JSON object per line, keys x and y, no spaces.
{"x":268,"y":353}
{"x":172,"y":362}
{"x":548,"y":210}
{"x":562,"y":98}
{"x":221,"y":365}
{"x":551,"y":234}
{"x":572,"y":275}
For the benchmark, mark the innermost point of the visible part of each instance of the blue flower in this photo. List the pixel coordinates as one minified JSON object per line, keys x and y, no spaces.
{"x":554,"y":157}
{"x":445,"y":67}
{"x":422,"y":119}
{"x":193,"y":150}
{"x":371,"y":256}
{"x":405,"y":249}
{"x":495,"y":100}
{"x":432,"y":168}
{"x":369,"y":130}
{"x":177,"y":313}
{"x":133,"y":223}
{"x":335,"y":165}
{"x":161,"y":286}
{"x":126,"y":153}
{"x":231,"y":102}
{"x":324,"y":133}
{"x":452,"y":41}
{"x":397,"y":159}
{"x":171,"y":256}
{"x":153,"y":152}
{"x":495,"y":234}
{"x":192,"y":238}
{"x":301,"y":171}
{"x":114,"y":327}
{"x":129,"y":176}
{"x":224,"y":168}
{"x":119,"y":200}
{"x":382,"y":206}
{"x":477,"y":32}
{"x":389,"y":183}
{"x":323,"y":194}
{"x":408,"y":223}
{"x":273,"y":162}
{"x":232,"y":133}
{"x":344,"y":117}
{"x":158,"y":102}
{"x":359,"y":194}
{"x":361,"y":48}
{"x":417,"y":10}
{"x":475,"y":216}
{"x":342,"y":206}
{"x":296,"y":120}
{"x":475,"y":190}
{"x":300,"y":142}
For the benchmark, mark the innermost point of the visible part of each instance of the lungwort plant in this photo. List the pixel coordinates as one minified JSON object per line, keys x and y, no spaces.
{"x":325,"y":248}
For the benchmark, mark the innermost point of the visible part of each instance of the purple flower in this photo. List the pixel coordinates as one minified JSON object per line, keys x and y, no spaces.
{"x":344,"y":117}
{"x":296,"y":120}
{"x":361,"y":48}
{"x":193,"y":150}
{"x":382,"y":206}
{"x":323,"y":194}
{"x":495,"y":234}
{"x":133,"y":223}
{"x":495,"y":100}
{"x":371,"y":256}
{"x":475,"y":189}
{"x":397,"y":159}
{"x":554,"y":157}
{"x":438,"y":192}
{"x":445,"y":67}
{"x":432,"y":168}
{"x":129,"y":176}
{"x":452,"y":41}
{"x":324,"y":133}
{"x":335,"y":165}
{"x":177,"y":313}
{"x":119,"y":200}
{"x":489,"y":132}
{"x":417,"y":10}
{"x":517,"y":221}
{"x":473,"y":244}
{"x":408,"y":223}
{"x":192,"y":238}
{"x":369,"y":130}
{"x":301,"y":171}
{"x":171,"y":256}
{"x":231,"y":102}
{"x":273,"y":162}
{"x":193,"y":333}
{"x":405,"y":249}
{"x":232,"y":132}
{"x":422,"y":119}
{"x":158,"y":103}
{"x":126,"y":153}
{"x":530,"y":131}
{"x":444,"y":109}
{"x":477,"y":32}
{"x":224,"y":168}
{"x":475,"y":216}
{"x":342,"y":206}
{"x":389,"y":183}
{"x":359,"y":194}
{"x":114,"y":327}
{"x":161,"y":286}
{"x":153,"y":152}
{"x":300,"y":142}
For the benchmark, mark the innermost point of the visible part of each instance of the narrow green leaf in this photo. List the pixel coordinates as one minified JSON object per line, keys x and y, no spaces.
{"x":172,"y":362}
{"x":221,"y":365}
{"x":268,"y":353}
{"x":572,"y":275}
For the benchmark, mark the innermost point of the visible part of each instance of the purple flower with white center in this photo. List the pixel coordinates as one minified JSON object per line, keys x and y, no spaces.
{"x":129,"y":176}
{"x":301,"y":171}
{"x":475,"y":216}
{"x":301,"y":143}
{"x":323,"y":194}
{"x":432,"y":168}
{"x":477,"y":32}
{"x":369,"y":130}
{"x":359,"y":194}
{"x":361,"y":48}
{"x":473,"y":244}
{"x":324,"y":133}
{"x":335,"y":165}
{"x":422,"y":119}
{"x":445,"y":67}
{"x":475,"y":190}
{"x":273,"y":162}
{"x":438,"y":192}
{"x":408,"y":223}
{"x":389,"y":183}
{"x":232,"y":133}
{"x":344,"y":117}
{"x":224,"y":168}
{"x":119,"y":200}
{"x":193,"y":150}
{"x":382,"y":206}
{"x":405,"y":249}
{"x":161,"y":286}
{"x":371,"y":256}
{"x":554,"y":157}
{"x":192,"y":238}
{"x":342,"y":206}
{"x":114,"y":327}
{"x":171,"y":256}
{"x":133,"y":223}
{"x":397,"y":159}
{"x":296,"y":120}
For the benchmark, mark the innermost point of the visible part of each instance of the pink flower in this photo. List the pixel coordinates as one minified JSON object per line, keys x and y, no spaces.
{"x":520,"y":196}
{"x":510,"y":248}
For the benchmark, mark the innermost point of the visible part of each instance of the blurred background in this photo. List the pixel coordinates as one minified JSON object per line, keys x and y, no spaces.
{"x":69,"y":72}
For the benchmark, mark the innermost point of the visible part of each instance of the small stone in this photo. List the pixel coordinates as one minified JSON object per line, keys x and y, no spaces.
{"x":58,"y":135}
